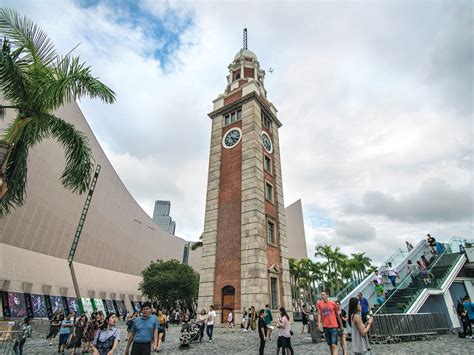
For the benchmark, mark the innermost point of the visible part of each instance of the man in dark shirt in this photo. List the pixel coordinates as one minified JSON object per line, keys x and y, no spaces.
{"x":262,"y":331}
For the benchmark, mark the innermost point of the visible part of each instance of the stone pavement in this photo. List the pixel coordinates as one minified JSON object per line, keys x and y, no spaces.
{"x":247,"y":343}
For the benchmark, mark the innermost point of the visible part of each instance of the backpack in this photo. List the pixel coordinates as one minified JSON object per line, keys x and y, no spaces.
{"x":106,"y":345}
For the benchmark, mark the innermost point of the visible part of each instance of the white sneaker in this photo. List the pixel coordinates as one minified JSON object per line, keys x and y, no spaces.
{"x":210,"y":341}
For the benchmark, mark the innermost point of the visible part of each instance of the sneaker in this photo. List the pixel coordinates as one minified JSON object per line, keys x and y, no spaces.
{"x":210,"y":341}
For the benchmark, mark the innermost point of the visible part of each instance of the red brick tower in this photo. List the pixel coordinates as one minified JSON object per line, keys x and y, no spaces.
{"x":244,"y":260}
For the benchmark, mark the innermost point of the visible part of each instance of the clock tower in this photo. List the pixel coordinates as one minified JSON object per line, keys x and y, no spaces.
{"x":244,"y":255}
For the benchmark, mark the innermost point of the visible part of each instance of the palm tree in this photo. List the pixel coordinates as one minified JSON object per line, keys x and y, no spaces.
{"x":325,"y":251}
{"x":361,"y":263}
{"x":35,"y":81}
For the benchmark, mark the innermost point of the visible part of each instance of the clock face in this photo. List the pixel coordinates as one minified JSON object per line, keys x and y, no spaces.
{"x":267,"y":142}
{"x":232,"y":137}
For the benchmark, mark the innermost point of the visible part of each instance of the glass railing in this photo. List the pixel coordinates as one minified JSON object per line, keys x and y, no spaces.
{"x":442,"y":266}
{"x":348,"y":289}
{"x":365,"y":285}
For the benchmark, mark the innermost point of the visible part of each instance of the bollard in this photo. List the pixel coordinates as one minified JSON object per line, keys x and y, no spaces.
{"x":314,"y":331}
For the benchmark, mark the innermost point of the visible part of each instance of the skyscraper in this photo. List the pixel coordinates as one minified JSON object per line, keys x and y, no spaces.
{"x":161,"y":216}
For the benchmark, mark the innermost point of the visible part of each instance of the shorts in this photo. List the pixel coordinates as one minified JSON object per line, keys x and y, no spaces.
{"x":305,"y":321}
{"x":63,"y":338}
{"x":331,"y":335}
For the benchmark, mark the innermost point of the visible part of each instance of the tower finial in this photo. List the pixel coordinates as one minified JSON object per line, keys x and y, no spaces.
{"x":245,"y":38}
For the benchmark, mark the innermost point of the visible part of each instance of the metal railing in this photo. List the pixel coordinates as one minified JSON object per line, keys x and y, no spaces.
{"x":396,"y":328}
{"x":7,"y":340}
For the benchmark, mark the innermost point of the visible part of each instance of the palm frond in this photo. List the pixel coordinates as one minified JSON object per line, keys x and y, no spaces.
{"x":16,"y":172}
{"x":13,"y":77}
{"x":25,"y":33}
{"x":71,"y":79}
{"x":78,"y":171}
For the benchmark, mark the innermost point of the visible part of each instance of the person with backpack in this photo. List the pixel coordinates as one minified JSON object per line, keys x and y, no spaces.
{"x":462,"y":313}
{"x":25,"y":333}
{"x":106,"y":341}
{"x":268,"y":321}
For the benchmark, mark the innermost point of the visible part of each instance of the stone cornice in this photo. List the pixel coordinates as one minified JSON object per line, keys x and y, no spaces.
{"x":251,"y":96}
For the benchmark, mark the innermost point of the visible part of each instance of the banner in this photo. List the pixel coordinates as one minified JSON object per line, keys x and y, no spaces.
{"x":29,"y":306}
{"x":49,"y":306}
{"x":6,"y":308}
{"x":65,"y":306}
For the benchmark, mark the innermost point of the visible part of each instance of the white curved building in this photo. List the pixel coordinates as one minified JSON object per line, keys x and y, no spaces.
{"x":117,"y":242}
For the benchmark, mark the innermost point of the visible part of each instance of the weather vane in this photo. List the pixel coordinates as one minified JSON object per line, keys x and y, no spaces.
{"x":245,"y":38}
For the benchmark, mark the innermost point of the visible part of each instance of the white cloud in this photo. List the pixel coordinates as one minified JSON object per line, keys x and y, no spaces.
{"x":371,"y":98}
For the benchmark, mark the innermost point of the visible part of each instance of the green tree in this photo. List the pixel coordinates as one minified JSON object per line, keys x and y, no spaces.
{"x":169,"y":281}
{"x":35,"y":81}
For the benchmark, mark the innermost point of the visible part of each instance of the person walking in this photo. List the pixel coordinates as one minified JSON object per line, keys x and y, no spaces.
{"x":144,"y":333}
{"x":409,"y":246}
{"x":378,"y":278}
{"x":245,"y":320}
{"x":262,"y":331}
{"x":64,"y":332}
{"x":201,"y":319}
{"x":106,"y":341}
{"x":343,"y":333}
{"x":211,"y":316}
{"x":392,"y":274}
{"x":360,"y":341}
{"x":469,"y":307}
{"x":329,"y":321}
{"x":304,"y":319}
{"x":54,"y":327}
{"x":379,"y":293}
{"x":78,"y":333}
{"x":253,"y":318}
{"x":230,"y":321}
{"x":364,"y":306}
{"x":423,"y":273}
{"x":268,"y":321}
{"x":25,"y":333}
{"x":464,"y":318}
{"x":432,"y":244}
{"x":161,"y":328}
{"x":285,"y":332}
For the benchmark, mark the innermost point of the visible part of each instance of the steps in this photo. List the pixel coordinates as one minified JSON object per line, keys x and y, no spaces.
{"x":400,"y":299}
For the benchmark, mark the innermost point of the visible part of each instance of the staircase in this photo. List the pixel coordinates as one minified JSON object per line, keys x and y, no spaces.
{"x":405,"y":295}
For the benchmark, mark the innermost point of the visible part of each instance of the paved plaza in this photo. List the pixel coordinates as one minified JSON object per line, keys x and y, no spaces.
{"x":247,"y":343}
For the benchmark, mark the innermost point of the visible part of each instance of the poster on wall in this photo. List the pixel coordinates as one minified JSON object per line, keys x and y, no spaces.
{"x":28,"y":305}
{"x":120,"y":306}
{"x":136,"y":306}
{"x":110,"y":306}
{"x":73,"y":306}
{"x":56,"y":303}
{"x":87,"y":305}
{"x":99,"y":305}
{"x":39,"y":306}
{"x":16,"y":303}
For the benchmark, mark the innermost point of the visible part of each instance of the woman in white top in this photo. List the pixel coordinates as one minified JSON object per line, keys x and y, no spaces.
{"x":284,"y":334}
{"x":230,"y":321}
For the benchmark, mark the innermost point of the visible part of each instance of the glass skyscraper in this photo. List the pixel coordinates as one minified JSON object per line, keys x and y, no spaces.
{"x":161,"y":216}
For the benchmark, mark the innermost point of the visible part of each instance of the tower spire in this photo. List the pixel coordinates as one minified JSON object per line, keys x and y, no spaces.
{"x":245,"y":38}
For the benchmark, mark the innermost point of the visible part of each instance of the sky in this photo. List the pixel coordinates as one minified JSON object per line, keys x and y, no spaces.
{"x":375,"y":97}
